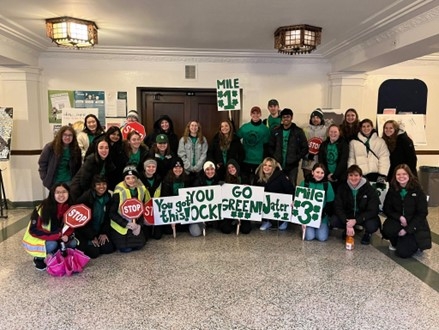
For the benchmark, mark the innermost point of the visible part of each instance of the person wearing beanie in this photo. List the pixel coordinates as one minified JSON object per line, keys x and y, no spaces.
{"x":254,"y":137}
{"x":206,"y":178}
{"x":153,"y":184}
{"x":132,"y":116}
{"x":274,"y":118}
{"x":192,"y":148}
{"x":288,"y":154}
{"x":315,"y":134}
{"x":127,"y":234}
{"x":174,"y":180}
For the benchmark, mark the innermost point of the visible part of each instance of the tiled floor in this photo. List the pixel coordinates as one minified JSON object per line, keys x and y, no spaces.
{"x":265,"y":280}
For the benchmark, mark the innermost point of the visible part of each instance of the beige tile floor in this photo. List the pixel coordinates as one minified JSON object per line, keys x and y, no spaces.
{"x":264,"y":280}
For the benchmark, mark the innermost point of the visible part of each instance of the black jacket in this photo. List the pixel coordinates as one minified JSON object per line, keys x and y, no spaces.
{"x":342,"y":159}
{"x":414,"y":207}
{"x":364,"y":206}
{"x":297,"y":146}
{"x":235,"y":151}
{"x":277,"y":183}
{"x":404,"y":153}
{"x":87,"y":233}
{"x":173,"y":138}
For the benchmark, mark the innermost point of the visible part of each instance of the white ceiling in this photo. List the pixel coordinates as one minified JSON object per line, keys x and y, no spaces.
{"x":208,"y":25}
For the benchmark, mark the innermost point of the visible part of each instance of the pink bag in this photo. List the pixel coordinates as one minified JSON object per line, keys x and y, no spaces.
{"x":74,"y":262}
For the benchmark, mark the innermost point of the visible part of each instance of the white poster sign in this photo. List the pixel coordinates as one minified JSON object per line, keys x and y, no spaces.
{"x":277,"y":206}
{"x":308,"y":206}
{"x":169,"y":210}
{"x":242,"y":202}
{"x":228,"y":95}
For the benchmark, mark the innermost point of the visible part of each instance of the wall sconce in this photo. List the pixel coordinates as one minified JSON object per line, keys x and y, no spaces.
{"x":297,"y":39}
{"x":72,"y":32}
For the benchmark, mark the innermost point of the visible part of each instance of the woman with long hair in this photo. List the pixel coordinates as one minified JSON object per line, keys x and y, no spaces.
{"x":96,"y":163}
{"x":45,"y":234}
{"x":406,"y":209}
{"x":192,"y":149}
{"x":92,"y":129}
{"x":135,"y":150}
{"x":401,"y":148}
{"x":225,"y":145}
{"x":370,"y":153}
{"x":351,"y":125}
{"x":60,"y":159}
{"x":334,"y":154}
{"x":270,"y":176}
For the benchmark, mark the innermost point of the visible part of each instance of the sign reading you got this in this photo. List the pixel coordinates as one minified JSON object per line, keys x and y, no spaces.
{"x":211,"y":203}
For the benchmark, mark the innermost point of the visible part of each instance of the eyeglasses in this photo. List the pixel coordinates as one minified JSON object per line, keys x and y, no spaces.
{"x":68,"y":135}
{"x":61,"y":192}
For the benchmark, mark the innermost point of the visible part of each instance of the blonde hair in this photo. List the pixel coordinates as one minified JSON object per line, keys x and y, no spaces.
{"x":262,"y":177}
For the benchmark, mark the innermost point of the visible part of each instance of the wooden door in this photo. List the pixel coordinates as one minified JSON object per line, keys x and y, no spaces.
{"x":183,"y":105}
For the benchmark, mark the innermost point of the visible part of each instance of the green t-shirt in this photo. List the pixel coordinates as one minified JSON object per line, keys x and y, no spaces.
{"x":273,"y":122}
{"x":135,"y":158}
{"x":332,"y":157}
{"x":285,"y":137}
{"x":63,"y":171}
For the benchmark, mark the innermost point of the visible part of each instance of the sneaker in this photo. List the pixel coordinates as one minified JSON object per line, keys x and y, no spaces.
{"x":265,"y":225}
{"x":283,"y":226}
{"x":391,"y":247}
{"x":40,"y":264}
{"x":366,"y":239}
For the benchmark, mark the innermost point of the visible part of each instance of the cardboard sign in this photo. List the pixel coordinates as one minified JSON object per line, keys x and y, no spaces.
{"x":228,"y":95}
{"x":308,"y":206}
{"x":131,"y":208}
{"x":277,"y":206}
{"x":169,"y":210}
{"x":242,"y":202}
{"x":134,"y":126}
{"x":77,"y":215}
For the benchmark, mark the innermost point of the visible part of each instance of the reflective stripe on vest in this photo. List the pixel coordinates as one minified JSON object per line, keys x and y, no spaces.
{"x":124,"y":194}
{"x":35,"y":246}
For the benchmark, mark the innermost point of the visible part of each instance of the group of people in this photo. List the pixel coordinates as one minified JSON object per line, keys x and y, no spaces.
{"x":101,"y":170}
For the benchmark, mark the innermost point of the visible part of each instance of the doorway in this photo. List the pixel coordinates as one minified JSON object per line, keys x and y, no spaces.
{"x":182,"y":105}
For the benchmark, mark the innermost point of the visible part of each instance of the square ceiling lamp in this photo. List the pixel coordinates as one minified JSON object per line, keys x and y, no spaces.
{"x":72,"y":32}
{"x":297,"y":39}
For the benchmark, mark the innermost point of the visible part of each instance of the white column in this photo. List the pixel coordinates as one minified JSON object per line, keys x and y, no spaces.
{"x":346,"y":90}
{"x":20,"y":89}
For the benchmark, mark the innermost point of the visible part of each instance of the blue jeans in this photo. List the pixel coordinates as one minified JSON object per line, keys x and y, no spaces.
{"x":320,"y":233}
{"x":52,"y":246}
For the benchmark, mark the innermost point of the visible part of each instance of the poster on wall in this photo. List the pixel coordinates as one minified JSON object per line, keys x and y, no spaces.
{"x":115,"y":104}
{"x":75,"y":117}
{"x":5,"y":132}
{"x":58,"y":100}
{"x":91,"y":99}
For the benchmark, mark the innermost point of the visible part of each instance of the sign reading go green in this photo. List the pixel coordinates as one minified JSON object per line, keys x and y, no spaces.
{"x":228,"y":96}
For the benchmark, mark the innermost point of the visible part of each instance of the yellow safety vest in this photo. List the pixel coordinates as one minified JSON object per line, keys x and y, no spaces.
{"x":35,"y":246}
{"x":124,"y":194}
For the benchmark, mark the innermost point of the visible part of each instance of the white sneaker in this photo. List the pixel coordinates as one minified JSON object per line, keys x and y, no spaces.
{"x":265,"y":225}
{"x":391,"y":247}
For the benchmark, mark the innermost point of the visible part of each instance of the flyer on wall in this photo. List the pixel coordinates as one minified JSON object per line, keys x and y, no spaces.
{"x":6,"y":122}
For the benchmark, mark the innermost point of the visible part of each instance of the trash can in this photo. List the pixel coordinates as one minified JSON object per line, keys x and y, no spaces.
{"x":429,"y":179}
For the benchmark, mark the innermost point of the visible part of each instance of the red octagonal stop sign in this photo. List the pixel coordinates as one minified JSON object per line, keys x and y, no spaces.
{"x":132,"y":208}
{"x":77,"y":215}
{"x":134,"y":126}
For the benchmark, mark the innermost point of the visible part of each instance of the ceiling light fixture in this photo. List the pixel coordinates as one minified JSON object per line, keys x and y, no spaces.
{"x":297,"y":39}
{"x":72,"y":32}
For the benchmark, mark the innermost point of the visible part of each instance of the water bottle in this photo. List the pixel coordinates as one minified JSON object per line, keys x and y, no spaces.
{"x":350,"y":242}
